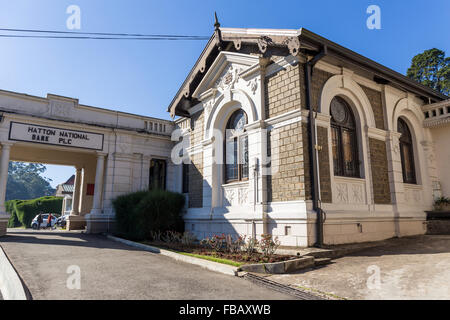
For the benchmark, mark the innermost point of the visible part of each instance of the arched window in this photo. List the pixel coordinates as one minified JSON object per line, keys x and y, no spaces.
{"x":344,"y":140}
{"x":236,"y":148}
{"x":406,"y":152}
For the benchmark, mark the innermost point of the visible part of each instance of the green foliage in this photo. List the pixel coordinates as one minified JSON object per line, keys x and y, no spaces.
{"x":140,"y":214}
{"x":431,"y":68}
{"x":23,"y":211}
{"x":25,"y":181}
{"x":442,"y":200}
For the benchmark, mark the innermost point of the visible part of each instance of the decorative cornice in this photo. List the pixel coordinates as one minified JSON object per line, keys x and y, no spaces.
{"x":377,"y":133}
{"x":434,"y":123}
{"x":284,"y":117}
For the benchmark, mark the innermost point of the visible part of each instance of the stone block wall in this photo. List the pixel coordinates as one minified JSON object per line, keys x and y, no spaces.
{"x":196,"y":165}
{"x":286,"y":182}
{"x":380,"y":177}
{"x":377,"y":106}
{"x":282,"y":92}
{"x":324,"y":165}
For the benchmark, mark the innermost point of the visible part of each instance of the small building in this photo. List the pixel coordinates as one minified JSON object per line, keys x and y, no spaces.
{"x":280,"y":132}
{"x":291,"y":134}
{"x":65,"y":190}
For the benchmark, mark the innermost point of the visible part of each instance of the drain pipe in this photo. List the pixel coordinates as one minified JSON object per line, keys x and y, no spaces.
{"x":312,"y":145}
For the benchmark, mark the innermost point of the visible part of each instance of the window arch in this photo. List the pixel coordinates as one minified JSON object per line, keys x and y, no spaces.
{"x":406,"y":152}
{"x":236,"y":148}
{"x":344,"y":139}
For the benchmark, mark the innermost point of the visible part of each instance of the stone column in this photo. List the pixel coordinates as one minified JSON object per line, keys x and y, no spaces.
{"x":4,"y":163}
{"x":96,"y":206}
{"x":76,"y":194}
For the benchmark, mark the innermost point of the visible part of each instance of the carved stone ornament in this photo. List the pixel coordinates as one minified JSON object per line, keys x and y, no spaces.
{"x":342,"y":192}
{"x":253,"y":84}
{"x":228,"y":80}
{"x":263,"y":43}
{"x":293,"y":45}
{"x":237,"y":44}
{"x":61,"y":109}
{"x":230,"y":195}
{"x":243,"y":196}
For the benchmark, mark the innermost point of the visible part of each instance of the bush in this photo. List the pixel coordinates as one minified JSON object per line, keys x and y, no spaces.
{"x":141,"y":213}
{"x":23,"y":211}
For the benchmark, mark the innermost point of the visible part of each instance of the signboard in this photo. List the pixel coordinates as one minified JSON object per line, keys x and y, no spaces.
{"x":55,"y":136}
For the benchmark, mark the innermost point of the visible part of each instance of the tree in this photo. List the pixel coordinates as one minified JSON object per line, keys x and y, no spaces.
{"x":25,"y":181}
{"x":431,"y":68}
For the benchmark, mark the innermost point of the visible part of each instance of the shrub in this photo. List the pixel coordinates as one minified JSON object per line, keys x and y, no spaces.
{"x":268,"y":245}
{"x":126,"y":213}
{"x":139,"y":215}
{"x":23,"y":211}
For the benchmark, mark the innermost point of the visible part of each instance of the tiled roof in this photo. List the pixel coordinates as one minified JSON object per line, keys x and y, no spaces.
{"x":67,"y":188}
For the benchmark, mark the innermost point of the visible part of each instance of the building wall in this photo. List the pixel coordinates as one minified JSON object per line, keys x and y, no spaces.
{"x":282,"y":91}
{"x":287,"y":182}
{"x":376,"y":206}
{"x":129,"y":143}
{"x":441,"y":138}
{"x":380,"y":178}
{"x":196,"y":165}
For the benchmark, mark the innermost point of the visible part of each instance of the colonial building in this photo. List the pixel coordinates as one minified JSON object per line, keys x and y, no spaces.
{"x":65,"y":191}
{"x":279,"y":131}
{"x":288,"y":133}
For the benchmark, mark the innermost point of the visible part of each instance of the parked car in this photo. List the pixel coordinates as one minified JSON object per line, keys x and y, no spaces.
{"x":62,"y":221}
{"x":34,"y":223}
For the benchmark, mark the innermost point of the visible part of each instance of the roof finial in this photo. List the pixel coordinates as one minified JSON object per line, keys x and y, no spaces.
{"x":216,"y":22}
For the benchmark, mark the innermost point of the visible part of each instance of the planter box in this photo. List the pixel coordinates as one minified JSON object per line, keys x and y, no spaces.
{"x":442,"y":207}
{"x":279,"y":267}
{"x":438,"y":215}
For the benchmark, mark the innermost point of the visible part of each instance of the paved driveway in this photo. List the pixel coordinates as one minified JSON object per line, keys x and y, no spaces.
{"x":111,"y":270}
{"x":409,"y":268}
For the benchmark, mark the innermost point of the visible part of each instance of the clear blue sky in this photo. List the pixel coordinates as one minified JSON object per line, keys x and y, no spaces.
{"x":142,"y":77}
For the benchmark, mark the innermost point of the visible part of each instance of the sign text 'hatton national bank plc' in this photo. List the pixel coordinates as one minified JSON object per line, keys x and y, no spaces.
{"x":55,"y":136}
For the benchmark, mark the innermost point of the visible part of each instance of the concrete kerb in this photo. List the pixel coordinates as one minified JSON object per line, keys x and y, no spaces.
{"x":210,"y":265}
{"x":268,"y":268}
{"x":280,"y":267}
{"x":11,"y":286}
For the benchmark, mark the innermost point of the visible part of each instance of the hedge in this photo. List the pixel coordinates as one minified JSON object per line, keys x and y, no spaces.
{"x":140,"y":213}
{"x":23,"y":211}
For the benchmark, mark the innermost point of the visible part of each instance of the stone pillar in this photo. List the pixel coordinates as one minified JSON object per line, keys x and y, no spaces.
{"x":395,"y":177}
{"x":96,"y":220}
{"x":96,"y":206}
{"x":4,"y":163}
{"x":76,"y":194}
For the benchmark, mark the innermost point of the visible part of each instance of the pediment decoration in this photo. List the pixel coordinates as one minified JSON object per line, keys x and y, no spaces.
{"x":225,"y":73}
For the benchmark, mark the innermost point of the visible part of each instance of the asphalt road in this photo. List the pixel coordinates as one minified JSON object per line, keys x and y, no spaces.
{"x":110,"y":270}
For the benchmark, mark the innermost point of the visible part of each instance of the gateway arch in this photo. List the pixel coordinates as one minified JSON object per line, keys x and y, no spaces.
{"x":112,"y":151}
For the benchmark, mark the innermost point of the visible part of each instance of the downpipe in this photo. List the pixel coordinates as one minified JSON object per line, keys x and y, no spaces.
{"x":313,"y":146}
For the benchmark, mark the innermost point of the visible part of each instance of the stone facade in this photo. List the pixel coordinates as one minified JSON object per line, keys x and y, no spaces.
{"x":276,"y":196}
{"x":324,"y":165}
{"x":287,"y":148}
{"x":196,"y":165}
{"x":282,"y":91}
{"x":377,"y":106}
{"x":380,"y":178}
